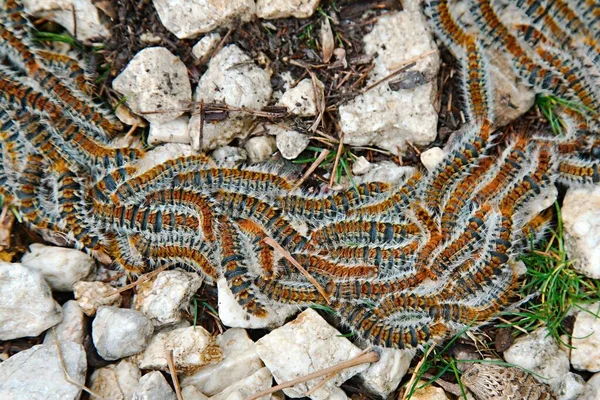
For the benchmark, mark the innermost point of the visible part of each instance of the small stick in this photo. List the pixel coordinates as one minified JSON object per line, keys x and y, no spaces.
{"x":271,"y":242}
{"x":63,"y":365}
{"x":142,"y":279}
{"x":169,"y":354}
{"x":403,"y":66}
{"x":413,"y":377}
{"x":369,"y":357}
{"x":337,"y":160}
{"x":310,"y":170}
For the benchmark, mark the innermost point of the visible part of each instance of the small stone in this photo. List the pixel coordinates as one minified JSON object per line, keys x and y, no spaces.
{"x":594,"y":381}
{"x":91,"y":295}
{"x":361,"y":166}
{"x":71,"y":328}
{"x":303,"y":346}
{"x":574,"y":387}
{"x":233,"y":79}
{"x":188,"y":19}
{"x":37,"y":373}
{"x":192,"y":393}
{"x":540,"y":353}
{"x":432,"y":157}
{"x":585,"y":341}
{"x":581,"y":222}
{"x":240,"y":360}
{"x":387,"y":116}
{"x":124,"y":114}
{"x":26,"y":304}
{"x":60,"y":266}
{"x":70,"y":14}
{"x":193,"y":347}
{"x":153,"y":386}
{"x":229,"y":156}
{"x":289,"y":142}
{"x":163,"y":153}
{"x":274,"y":9}
{"x":385,"y":171}
{"x":155,"y":84}
{"x":116,"y":381}
{"x":175,"y":131}
{"x":234,"y":316}
{"x":300,"y":100}
{"x":384,"y":376}
{"x":429,"y":392}
{"x":258,"y":381}
{"x":206,"y":45}
{"x":163,"y":298}
{"x":119,"y":332}
{"x":260,"y":148}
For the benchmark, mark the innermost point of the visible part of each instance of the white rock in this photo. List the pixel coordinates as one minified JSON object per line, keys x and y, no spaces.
{"x":188,"y":19}
{"x":206,"y":45}
{"x":361,"y":166}
{"x":162,"y":299}
{"x":116,"y":381}
{"x":192,"y":347}
{"x":71,"y":328}
{"x":594,"y":383}
{"x":155,"y":84}
{"x":153,"y":386}
{"x":289,"y":142}
{"x":192,"y":393}
{"x":60,"y":266}
{"x":385,"y":171}
{"x":91,"y":295}
{"x":384,"y":376}
{"x":432,"y":157}
{"x":37,"y":373}
{"x":240,"y":360}
{"x":162,"y":153}
{"x":258,"y":381}
{"x":429,"y":392}
{"x":260,"y":148}
{"x":539,"y":352}
{"x":26,"y":304}
{"x":234,"y":316}
{"x":119,"y":332}
{"x":300,"y":100}
{"x":305,"y":345}
{"x":70,"y":13}
{"x":175,"y":131}
{"x":273,"y":9}
{"x":585,"y":353}
{"x":387,"y":118}
{"x":573,"y":387}
{"x":229,"y":156}
{"x":231,"y":78}
{"x":581,"y":222}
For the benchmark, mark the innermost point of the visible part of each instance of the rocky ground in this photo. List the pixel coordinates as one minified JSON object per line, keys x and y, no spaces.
{"x":250,"y":82}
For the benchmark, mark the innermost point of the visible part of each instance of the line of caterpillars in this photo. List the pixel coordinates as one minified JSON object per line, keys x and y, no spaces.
{"x":402,"y":265}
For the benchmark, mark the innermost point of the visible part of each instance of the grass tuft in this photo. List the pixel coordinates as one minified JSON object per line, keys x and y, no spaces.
{"x":549,"y":106}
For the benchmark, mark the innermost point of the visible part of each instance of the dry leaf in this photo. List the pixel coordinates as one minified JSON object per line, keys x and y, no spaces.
{"x":327,"y":40}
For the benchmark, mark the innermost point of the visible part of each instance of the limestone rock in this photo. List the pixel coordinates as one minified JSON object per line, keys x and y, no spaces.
{"x":385,"y":171}
{"x":70,"y":13}
{"x":581,"y":221}
{"x":273,"y":9}
{"x":574,"y":387}
{"x":175,"y":131}
{"x":91,"y":295}
{"x":192,"y":393}
{"x":206,"y":45}
{"x":429,"y":392}
{"x":258,"y":381}
{"x":240,"y":360}
{"x":26,"y":304}
{"x":300,"y":100}
{"x":540,"y":353}
{"x":155,"y":84}
{"x":234,"y":316}
{"x":229,"y":156}
{"x":71,"y":328}
{"x":260,"y":148}
{"x":385,"y":117}
{"x":305,"y":345}
{"x":60,"y":266}
{"x":162,"y":153}
{"x":153,"y":386}
{"x":162,"y":299}
{"x":384,"y":376}
{"x":37,"y":373}
{"x":188,"y":19}
{"x":289,"y":142}
{"x":361,"y":166}
{"x":585,"y":353}
{"x":116,"y":381}
{"x":432,"y":157}
{"x":231,"y":78}
{"x":119,"y":332}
